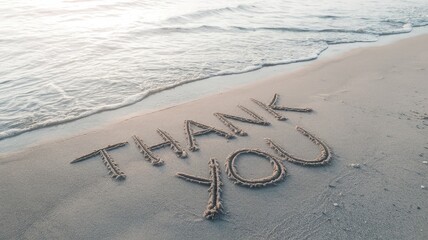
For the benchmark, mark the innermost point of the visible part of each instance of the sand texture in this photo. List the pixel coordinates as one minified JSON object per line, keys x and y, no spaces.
{"x":336,"y":150}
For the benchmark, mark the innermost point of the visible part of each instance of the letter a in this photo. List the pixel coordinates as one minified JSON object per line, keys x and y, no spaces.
{"x":190,"y":134}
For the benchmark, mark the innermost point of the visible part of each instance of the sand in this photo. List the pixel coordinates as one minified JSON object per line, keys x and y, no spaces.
{"x":353,"y":168}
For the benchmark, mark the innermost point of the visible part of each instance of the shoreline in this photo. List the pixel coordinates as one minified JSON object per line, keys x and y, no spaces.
{"x":368,"y":106}
{"x":186,"y":92}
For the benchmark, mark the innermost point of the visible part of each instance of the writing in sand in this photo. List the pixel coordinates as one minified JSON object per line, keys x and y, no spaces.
{"x":214,"y":207}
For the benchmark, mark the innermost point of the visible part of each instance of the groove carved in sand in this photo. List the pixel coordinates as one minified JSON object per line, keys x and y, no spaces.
{"x":214,"y":206}
{"x":269,"y":110}
{"x":224,"y":118}
{"x":190,"y":134}
{"x":168,"y":142}
{"x":112,"y":167}
{"x":278,"y":173}
{"x":273,"y":105}
{"x":172,"y":143}
{"x":147,"y":153}
{"x":323,"y":158}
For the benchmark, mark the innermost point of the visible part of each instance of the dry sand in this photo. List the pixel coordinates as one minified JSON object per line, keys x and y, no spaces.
{"x":369,"y":106}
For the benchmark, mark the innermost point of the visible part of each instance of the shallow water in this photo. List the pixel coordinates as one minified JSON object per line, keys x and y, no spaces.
{"x":64,"y":60}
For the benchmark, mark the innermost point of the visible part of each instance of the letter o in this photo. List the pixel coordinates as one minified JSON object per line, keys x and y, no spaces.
{"x":278,"y":173}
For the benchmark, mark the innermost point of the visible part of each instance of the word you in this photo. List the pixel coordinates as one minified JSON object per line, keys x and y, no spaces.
{"x":214,"y":182}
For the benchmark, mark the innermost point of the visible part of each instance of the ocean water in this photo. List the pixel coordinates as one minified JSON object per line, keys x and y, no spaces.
{"x":64,"y":60}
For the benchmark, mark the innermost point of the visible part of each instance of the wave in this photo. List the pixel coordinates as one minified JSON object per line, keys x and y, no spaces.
{"x":169,"y":30}
{"x":405,"y":28}
{"x":337,"y":42}
{"x":137,"y":98}
{"x":329,"y":16}
{"x":308,"y":32}
{"x":209,"y":12}
{"x":422,"y":24}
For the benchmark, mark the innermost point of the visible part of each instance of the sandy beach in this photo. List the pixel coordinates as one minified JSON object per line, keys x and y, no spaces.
{"x":346,"y":160}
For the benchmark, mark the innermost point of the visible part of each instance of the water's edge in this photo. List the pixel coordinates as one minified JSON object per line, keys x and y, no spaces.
{"x":178,"y":94}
